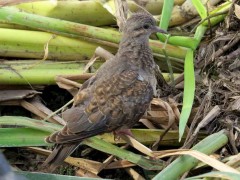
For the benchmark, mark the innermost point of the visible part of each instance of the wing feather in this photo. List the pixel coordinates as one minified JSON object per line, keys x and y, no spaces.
{"x":112,"y":103}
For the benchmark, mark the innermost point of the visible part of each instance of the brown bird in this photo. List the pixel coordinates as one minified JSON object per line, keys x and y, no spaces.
{"x":117,"y":96}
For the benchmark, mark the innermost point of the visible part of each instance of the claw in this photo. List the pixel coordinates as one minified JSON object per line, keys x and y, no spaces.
{"x":119,"y":132}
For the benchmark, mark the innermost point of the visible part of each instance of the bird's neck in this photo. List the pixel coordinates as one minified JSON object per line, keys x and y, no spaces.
{"x":136,"y":52}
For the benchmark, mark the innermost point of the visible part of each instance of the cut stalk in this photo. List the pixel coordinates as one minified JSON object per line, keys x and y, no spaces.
{"x":66,"y":28}
{"x":33,"y":73}
{"x":94,"y":142}
{"x":85,"y":12}
{"x":15,"y":44}
{"x":152,"y":6}
{"x":184,"y":163}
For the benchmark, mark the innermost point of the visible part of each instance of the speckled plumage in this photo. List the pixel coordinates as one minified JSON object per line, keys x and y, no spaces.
{"x":117,"y":96}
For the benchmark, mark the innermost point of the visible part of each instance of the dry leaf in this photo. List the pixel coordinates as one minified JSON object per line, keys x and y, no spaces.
{"x":198,"y":155}
{"x":89,"y":165}
{"x":8,"y":95}
{"x":237,"y":11}
{"x":137,"y":145}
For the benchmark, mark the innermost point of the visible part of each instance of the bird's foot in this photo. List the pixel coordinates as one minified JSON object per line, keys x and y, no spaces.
{"x":120,"y":132}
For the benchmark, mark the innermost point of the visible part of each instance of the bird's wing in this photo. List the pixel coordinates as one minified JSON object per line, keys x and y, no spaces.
{"x":117,"y":101}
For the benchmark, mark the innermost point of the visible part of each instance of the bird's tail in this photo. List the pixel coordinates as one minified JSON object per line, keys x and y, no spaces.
{"x":59,"y":154}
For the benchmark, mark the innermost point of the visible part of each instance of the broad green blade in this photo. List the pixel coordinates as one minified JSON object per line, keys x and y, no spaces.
{"x":31,"y":123}
{"x":145,"y":136}
{"x":165,"y":18}
{"x":150,"y":136}
{"x":93,"y":142}
{"x":185,"y":163}
{"x":188,"y":95}
{"x":66,"y":28}
{"x":46,"y":176}
{"x":166,"y":14}
{"x":106,"y":147}
{"x":85,"y":12}
{"x":216,"y":174}
{"x":19,"y":137}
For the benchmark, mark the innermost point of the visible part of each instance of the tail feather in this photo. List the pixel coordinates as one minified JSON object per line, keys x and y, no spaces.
{"x":59,"y":154}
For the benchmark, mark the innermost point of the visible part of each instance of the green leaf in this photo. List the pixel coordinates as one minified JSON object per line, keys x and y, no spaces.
{"x":164,"y":22}
{"x":28,"y":122}
{"x":188,"y":42}
{"x":46,"y":176}
{"x":200,"y":31}
{"x":223,"y":8}
{"x":166,"y":14}
{"x":106,"y":147}
{"x":93,"y":142}
{"x":185,"y":163}
{"x":189,"y":89}
{"x":66,"y":28}
{"x":145,"y":136}
{"x":18,"y":137}
{"x":216,"y":174}
{"x":200,"y":8}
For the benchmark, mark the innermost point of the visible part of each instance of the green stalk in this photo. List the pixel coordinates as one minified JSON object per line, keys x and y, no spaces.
{"x":66,"y":28}
{"x":34,"y":76}
{"x":200,"y":31}
{"x":34,"y":71}
{"x":149,"y":136}
{"x":182,"y":41}
{"x":30,"y":123}
{"x":152,"y":6}
{"x":190,"y":42}
{"x":85,"y":12}
{"x":13,"y":26}
{"x":94,"y":142}
{"x":223,"y":8}
{"x":15,"y":44}
{"x":123,"y":154}
{"x":15,"y":16}
{"x":39,"y":64}
{"x":177,"y":63}
{"x":216,"y":175}
{"x":14,"y":2}
{"x":20,"y":137}
{"x":201,"y":9}
{"x":185,"y":163}
{"x":47,"y":176}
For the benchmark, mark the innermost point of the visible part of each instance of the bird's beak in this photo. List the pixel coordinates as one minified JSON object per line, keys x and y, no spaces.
{"x":157,"y":29}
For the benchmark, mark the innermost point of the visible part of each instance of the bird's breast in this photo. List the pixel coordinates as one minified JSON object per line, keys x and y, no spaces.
{"x":149,"y":77}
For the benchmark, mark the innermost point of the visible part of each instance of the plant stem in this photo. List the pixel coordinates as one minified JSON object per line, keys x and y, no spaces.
{"x":184,"y":163}
{"x":66,"y":28}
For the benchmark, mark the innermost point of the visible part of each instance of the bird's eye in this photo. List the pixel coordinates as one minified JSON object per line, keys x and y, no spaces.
{"x":146,"y":26}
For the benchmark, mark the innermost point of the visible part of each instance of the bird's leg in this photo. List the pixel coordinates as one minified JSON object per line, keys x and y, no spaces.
{"x":119,"y":132}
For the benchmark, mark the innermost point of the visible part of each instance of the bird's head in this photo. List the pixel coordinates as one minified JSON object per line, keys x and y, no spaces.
{"x":141,"y":25}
